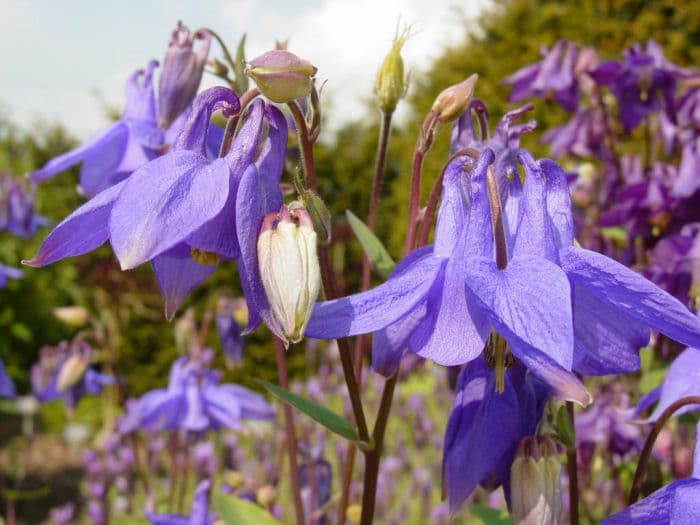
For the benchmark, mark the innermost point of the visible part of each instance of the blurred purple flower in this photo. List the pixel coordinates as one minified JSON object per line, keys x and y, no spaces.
{"x":17,"y":208}
{"x":63,"y":372}
{"x":319,"y":473}
{"x":682,"y":380}
{"x":484,"y":428}
{"x":228,"y":313}
{"x":194,"y":401}
{"x":677,"y":502}
{"x":7,"y":272}
{"x":199,"y":511}
{"x":642,"y":83}
{"x":582,"y":135}
{"x":62,"y":515}
{"x":554,"y":77}
{"x":606,"y":423}
{"x":7,"y":387}
{"x":204,"y":459}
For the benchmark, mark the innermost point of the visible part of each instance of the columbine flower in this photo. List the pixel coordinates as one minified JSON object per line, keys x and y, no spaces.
{"x":445,"y":302}
{"x":485,"y":427}
{"x":682,"y":380}
{"x":7,"y":387}
{"x":199,"y":511}
{"x":180,"y":211}
{"x":641,"y":83}
{"x":182,"y":73}
{"x":112,"y":155}
{"x":677,"y":502}
{"x":194,"y":401}
{"x":554,"y":76}
{"x":17,"y":208}
{"x":289,"y":270}
{"x":63,"y":372}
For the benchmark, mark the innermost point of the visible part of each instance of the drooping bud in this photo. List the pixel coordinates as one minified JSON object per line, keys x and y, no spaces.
{"x":72,"y":315}
{"x":181,"y":74}
{"x":282,"y":76}
{"x":390,"y":85}
{"x":535,"y":482}
{"x":453,"y":101}
{"x":289,"y":268}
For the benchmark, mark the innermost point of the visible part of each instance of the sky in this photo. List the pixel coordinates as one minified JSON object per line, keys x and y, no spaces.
{"x":63,"y":60}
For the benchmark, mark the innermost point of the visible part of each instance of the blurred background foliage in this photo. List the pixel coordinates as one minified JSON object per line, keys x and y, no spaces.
{"x":506,"y":37}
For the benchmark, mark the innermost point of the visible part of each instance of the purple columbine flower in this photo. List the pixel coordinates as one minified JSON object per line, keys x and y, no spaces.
{"x":112,"y":155}
{"x":63,"y":372}
{"x":199,"y":511}
{"x":682,"y":380}
{"x":677,"y":502}
{"x":526,"y":302}
{"x":7,"y":387}
{"x":553,"y":77}
{"x":484,"y":428}
{"x":7,"y":272}
{"x":17,"y":208}
{"x":195,"y":401}
{"x":582,"y":135}
{"x":642,"y":83}
{"x":184,"y":211}
{"x":62,"y":515}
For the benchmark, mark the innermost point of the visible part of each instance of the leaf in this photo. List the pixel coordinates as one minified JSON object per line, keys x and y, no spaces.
{"x":489,"y":516}
{"x":236,"y":511}
{"x":327,"y":418}
{"x":374,"y":249}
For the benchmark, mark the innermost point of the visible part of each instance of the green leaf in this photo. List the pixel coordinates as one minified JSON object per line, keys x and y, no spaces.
{"x":328,"y":419}
{"x":236,"y":511}
{"x":374,"y":249}
{"x":241,"y":79}
{"x":489,"y":516}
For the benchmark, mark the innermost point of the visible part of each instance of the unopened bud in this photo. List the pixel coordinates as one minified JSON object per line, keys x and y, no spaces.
{"x":71,"y":371}
{"x":72,"y":315}
{"x":535,"y":482}
{"x":181,"y":74}
{"x":453,"y":101}
{"x":390,"y":85}
{"x":289,"y":268}
{"x":282,"y":76}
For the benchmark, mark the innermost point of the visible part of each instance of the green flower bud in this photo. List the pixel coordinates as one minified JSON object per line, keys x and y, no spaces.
{"x":535,"y":482}
{"x":289,"y":269}
{"x":453,"y":101}
{"x":391,"y":85}
{"x":282,"y":76}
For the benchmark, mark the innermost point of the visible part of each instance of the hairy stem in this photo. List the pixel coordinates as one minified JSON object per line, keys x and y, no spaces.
{"x":649,"y":444}
{"x":572,"y":469}
{"x":291,"y":434}
{"x":305,"y":145}
{"x":424,"y":142}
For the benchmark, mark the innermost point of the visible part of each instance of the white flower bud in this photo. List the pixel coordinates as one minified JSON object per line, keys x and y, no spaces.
{"x":289,"y":268}
{"x":535,"y":483}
